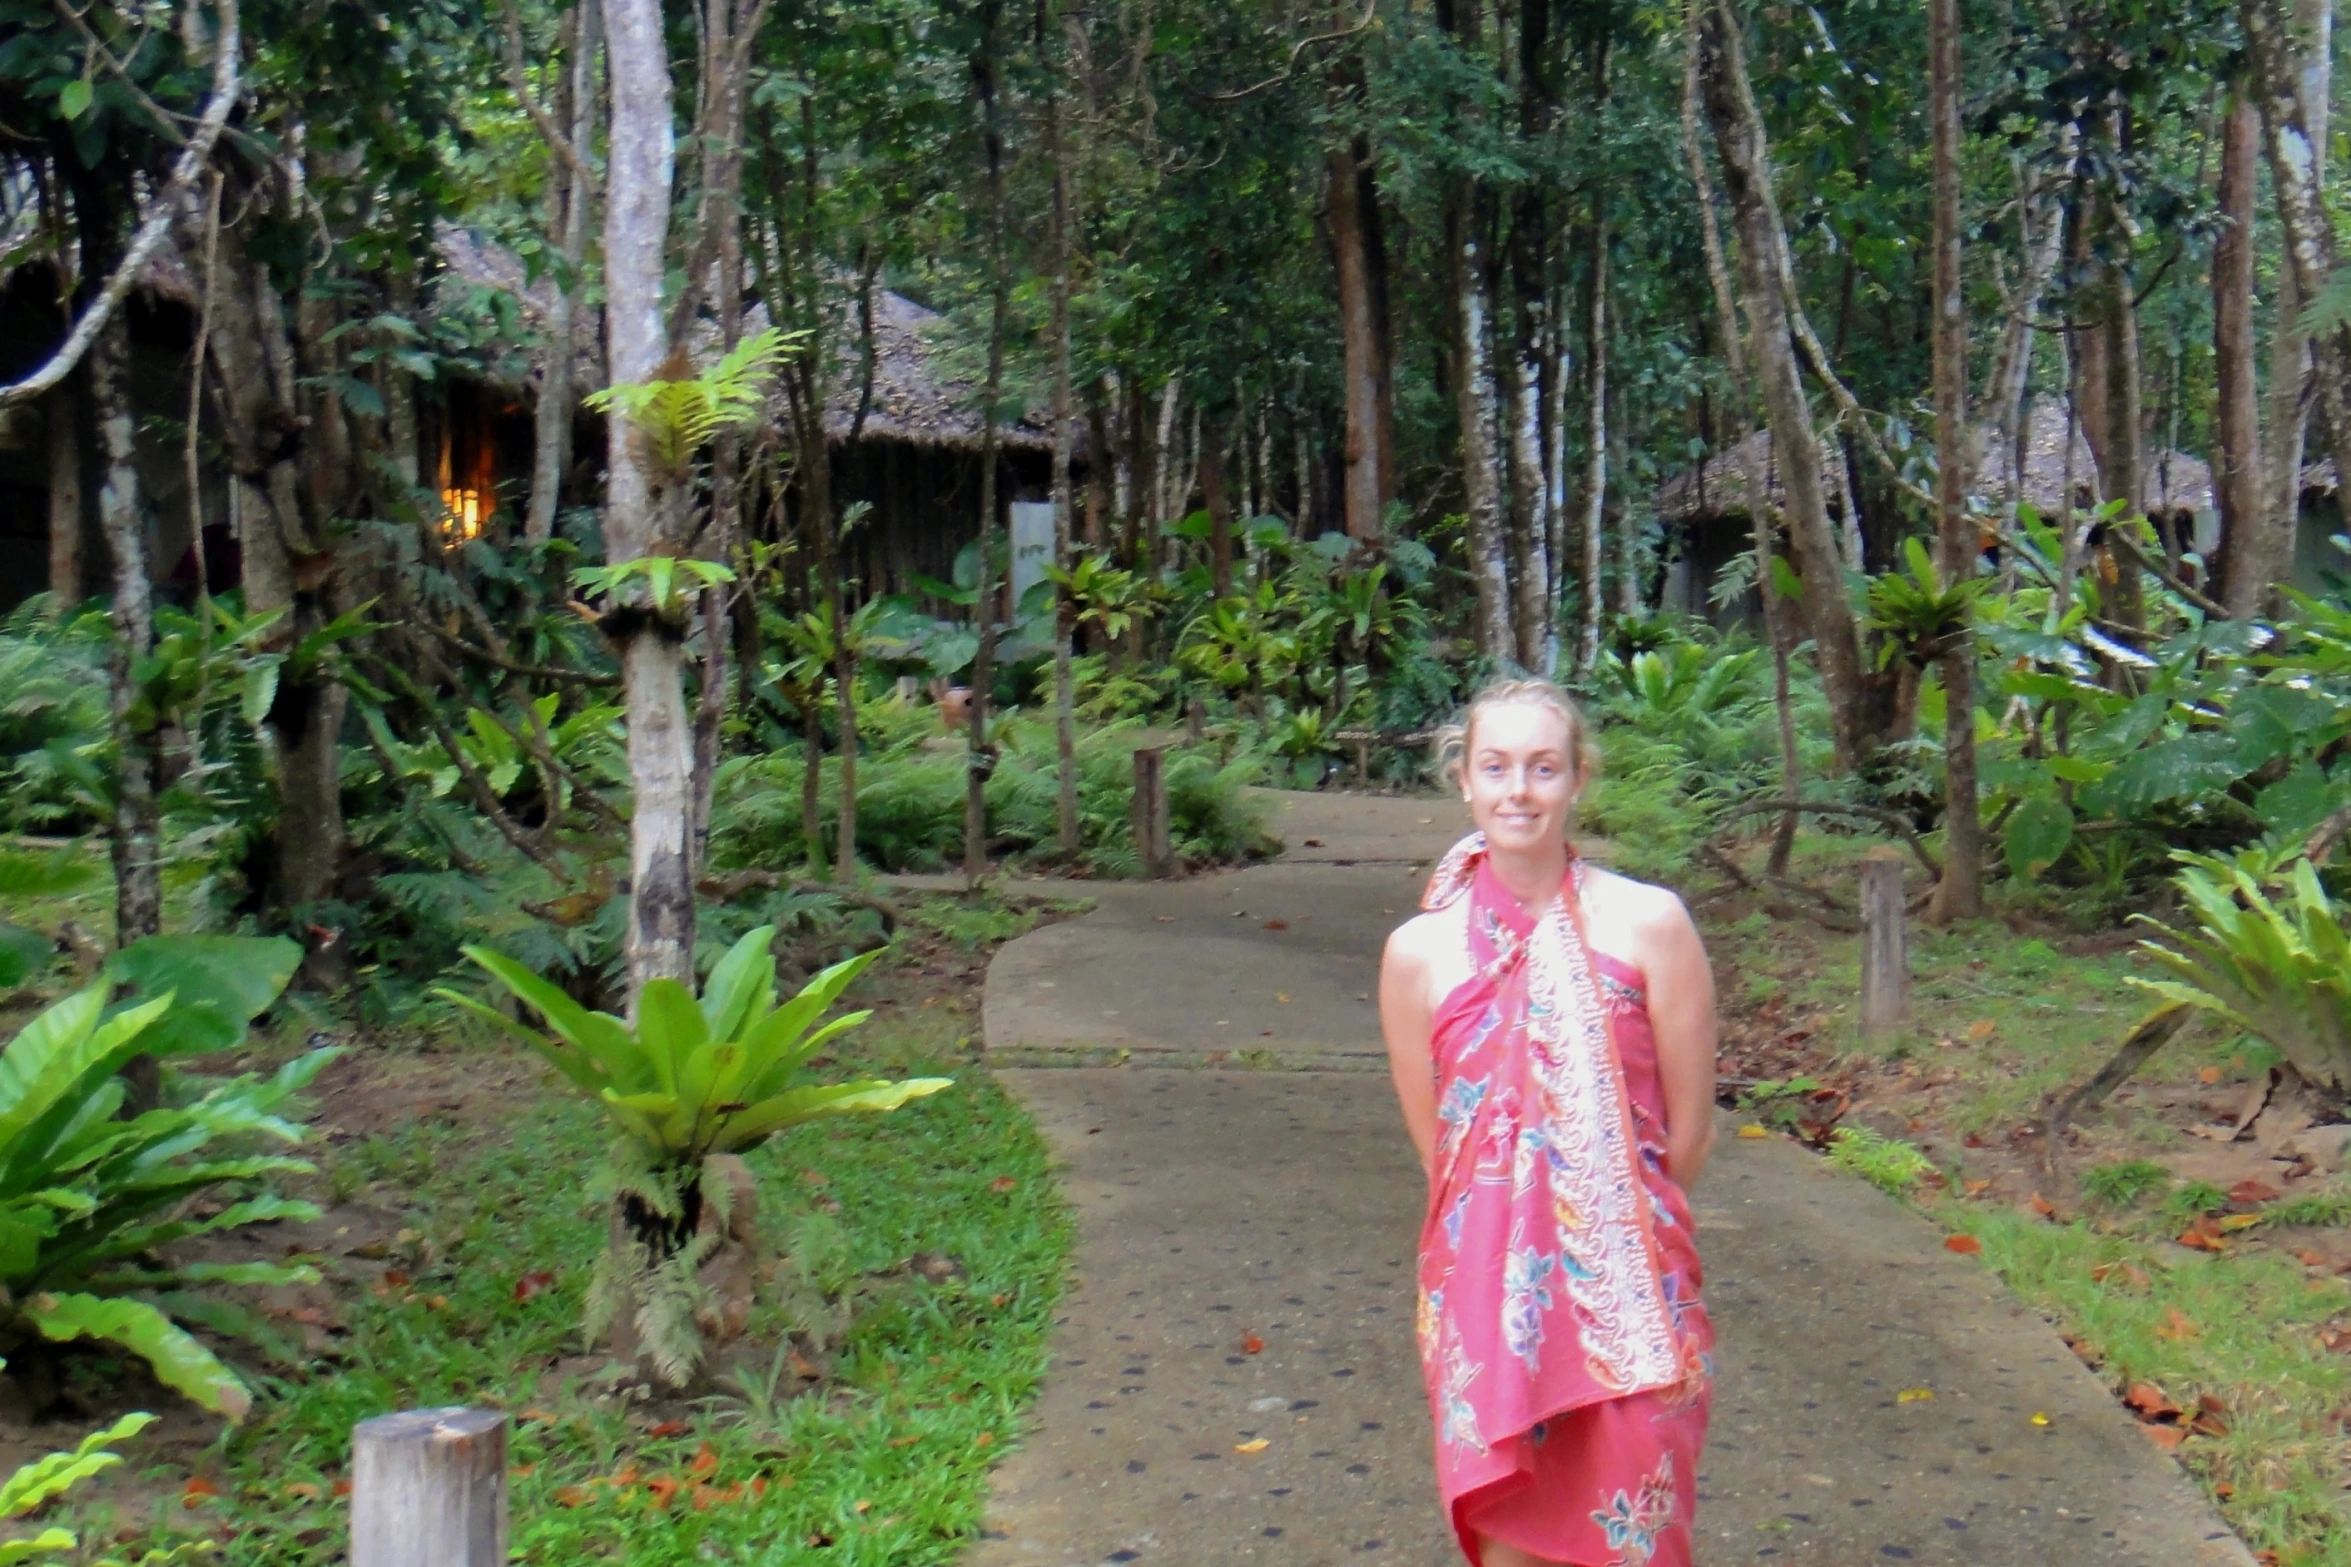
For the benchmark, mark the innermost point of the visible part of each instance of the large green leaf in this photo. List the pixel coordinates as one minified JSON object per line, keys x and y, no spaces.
{"x":807,"y":1104}
{"x":737,"y":984}
{"x":602,"y":1036}
{"x":2188,"y":768}
{"x":23,"y":954}
{"x":2039,"y":829}
{"x":56,"y":1061}
{"x":222,"y":983}
{"x":178,"y":1360}
{"x":47,"y":1478}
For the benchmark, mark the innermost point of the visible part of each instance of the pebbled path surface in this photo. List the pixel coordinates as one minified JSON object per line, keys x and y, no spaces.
{"x":1245,"y":1276}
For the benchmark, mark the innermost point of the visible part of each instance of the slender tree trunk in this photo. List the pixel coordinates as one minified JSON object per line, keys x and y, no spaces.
{"x":981,"y":756}
{"x":1739,"y":138}
{"x":2249,"y":556}
{"x":551,"y":444}
{"x":1595,"y":450}
{"x":2124,"y":475}
{"x":2043,"y":228}
{"x":2308,"y":60}
{"x":1365,"y":498}
{"x":660,"y":937}
{"x":138,"y":886}
{"x":65,"y":498}
{"x":1474,"y":413}
{"x":1959,"y":893}
{"x":1219,"y":501}
{"x":1058,"y":150}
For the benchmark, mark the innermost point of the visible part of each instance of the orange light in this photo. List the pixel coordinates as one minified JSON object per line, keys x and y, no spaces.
{"x":461,"y":515}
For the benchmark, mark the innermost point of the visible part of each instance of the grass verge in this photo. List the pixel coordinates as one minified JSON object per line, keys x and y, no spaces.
{"x":870,"y":1400}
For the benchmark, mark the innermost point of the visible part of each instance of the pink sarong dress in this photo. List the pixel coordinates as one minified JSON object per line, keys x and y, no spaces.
{"x":1562,"y":1337}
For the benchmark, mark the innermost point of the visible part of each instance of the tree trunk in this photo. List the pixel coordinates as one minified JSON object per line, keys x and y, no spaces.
{"x":551,"y":430}
{"x":1366,"y":464}
{"x":1219,"y":502}
{"x":1058,"y":151}
{"x":660,"y":937}
{"x":2249,"y":529}
{"x":2002,"y":409}
{"x":2308,"y":59}
{"x":138,"y":886}
{"x":980,"y":757}
{"x":1739,"y":140}
{"x":65,"y":499}
{"x":1595,"y":451}
{"x":1474,"y":412}
{"x":2124,"y":475}
{"x":1959,"y":892}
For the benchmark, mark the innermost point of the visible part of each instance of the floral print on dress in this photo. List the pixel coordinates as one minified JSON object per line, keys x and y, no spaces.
{"x":1633,"y":1523}
{"x":1524,"y":1301}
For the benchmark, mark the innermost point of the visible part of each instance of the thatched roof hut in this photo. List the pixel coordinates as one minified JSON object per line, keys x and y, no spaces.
{"x":1723,"y":486}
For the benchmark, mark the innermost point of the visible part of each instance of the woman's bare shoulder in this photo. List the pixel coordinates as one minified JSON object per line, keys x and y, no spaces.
{"x":1424,"y":938}
{"x":1624,"y":903}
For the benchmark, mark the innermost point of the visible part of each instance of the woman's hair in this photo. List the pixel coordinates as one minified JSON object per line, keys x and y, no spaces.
{"x":1454,"y":739}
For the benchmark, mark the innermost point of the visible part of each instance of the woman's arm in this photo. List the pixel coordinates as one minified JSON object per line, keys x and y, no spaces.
{"x":1405,"y":1021}
{"x":1680,"y":983}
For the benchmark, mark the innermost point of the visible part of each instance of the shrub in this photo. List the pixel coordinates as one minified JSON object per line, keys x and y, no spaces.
{"x":1887,"y":1163}
{"x":43,"y":1480}
{"x":2122,"y":1184}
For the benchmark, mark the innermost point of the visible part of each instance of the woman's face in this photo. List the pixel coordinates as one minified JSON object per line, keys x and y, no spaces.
{"x":1520,"y":777}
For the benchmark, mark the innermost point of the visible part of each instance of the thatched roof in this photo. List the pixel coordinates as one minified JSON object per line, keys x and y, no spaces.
{"x":1722,"y":486}
{"x":913,"y":399}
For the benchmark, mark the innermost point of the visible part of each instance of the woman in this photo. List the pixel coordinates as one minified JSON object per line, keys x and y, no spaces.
{"x":1551,"y":1029}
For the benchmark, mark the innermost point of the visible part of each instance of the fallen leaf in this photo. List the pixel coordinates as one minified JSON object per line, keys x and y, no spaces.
{"x":704,"y":1462}
{"x":2252,"y":1191}
{"x":2040,"y":1418}
{"x":2208,"y":1076}
{"x":342,"y":1488}
{"x":571,"y":1496}
{"x":1258,"y":1445}
{"x":626,"y":1476}
{"x":534,"y":1416}
{"x":2121,"y":1271}
{"x":984,"y":1439}
{"x":2148,"y":1402}
{"x":1976,"y":1188}
{"x":2176,"y":1326}
{"x":2203,"y":1235}
{"x":802,"y":1367}
{"x":1163,"y":919}
{"x":668,"y":1428}
{"x":1002,"y":1183}
{"x":1914,"y":1395}
{"x":194,"y":1493}
{"x":1281,"y":997}
{"x":2212,"y":1417}
{"x":2310,"y":1259}
{"x":303,"y":1491}
{"x":532,"y":1284}
{"x":1275,"y":925}
{"x":1251,"y":1344}
{"x":2165,"y":1437}
{"x":2042,"y":1206}
{"x":395,"y":1279}
{"x":1752,"y":1130}
{"x":1965,"y":1245}
{"x":1982,"y":1029}
{"x":659,"y":1490}
{"x":865,"y":1507}
{"x":2239,"y":1221}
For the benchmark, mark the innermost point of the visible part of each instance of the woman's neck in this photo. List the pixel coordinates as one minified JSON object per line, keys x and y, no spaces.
{"x":1530,"y":876}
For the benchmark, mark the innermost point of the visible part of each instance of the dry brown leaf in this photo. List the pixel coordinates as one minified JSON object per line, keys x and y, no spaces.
{"x":1965,"y":1245}
{"x":2176,"y":1326}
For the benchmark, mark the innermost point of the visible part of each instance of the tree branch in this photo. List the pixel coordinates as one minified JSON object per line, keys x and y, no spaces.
{"x":557,"y":141}
{"x":1298,"y":52}
{"x":154,"y":226}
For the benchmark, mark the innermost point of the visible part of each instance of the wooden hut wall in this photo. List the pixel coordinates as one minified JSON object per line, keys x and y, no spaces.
{"x":925,"y":507}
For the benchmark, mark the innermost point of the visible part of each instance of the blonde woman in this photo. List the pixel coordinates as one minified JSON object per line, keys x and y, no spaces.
{"x":1552,"y":1033}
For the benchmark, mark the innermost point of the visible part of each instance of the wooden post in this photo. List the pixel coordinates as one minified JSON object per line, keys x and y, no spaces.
{"x":1195,"y":720}
{"x":428,"y":1489}
{"x":1885,"y":944}
{"x":1150,"y":813}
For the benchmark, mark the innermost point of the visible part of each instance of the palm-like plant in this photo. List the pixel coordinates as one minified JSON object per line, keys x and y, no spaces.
{"x":693,"y":1079}
{"x":85,"y":1198}
{"x":2277,"y":967}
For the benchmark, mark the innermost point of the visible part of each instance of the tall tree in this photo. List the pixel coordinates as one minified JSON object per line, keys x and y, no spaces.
{"x":1959,"y":893}
{"x":2249,"y":523}
{"x":1059,"y":152}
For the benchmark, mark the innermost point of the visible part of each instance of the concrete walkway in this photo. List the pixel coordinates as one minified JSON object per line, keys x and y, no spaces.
{"x":1245,"y":1278}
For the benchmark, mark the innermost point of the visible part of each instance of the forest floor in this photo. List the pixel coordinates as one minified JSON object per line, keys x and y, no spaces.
{"x":1235,"y":1378}
{"x":896,"y":1337}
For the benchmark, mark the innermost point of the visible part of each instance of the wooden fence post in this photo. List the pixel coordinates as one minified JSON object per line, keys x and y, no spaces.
{"x":1150,"y":813}
{"x":428,"y":1489}
{"x":1885,"y":944}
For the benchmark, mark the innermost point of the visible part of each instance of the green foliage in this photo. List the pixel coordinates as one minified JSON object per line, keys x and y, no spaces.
{"x":679,"y":417}
{"x":218,"y":986}
{"x":1918,"y":613}
{"x":35,"y":1485}
{"x":2271,"y":955}
{"x":1887,"y":1163}
{"x":693,"y":1079}
{"x":2193,"y":1201}
{"x":87,"y":1201}
{"x":1778,"y":1102}
{"x":2123,"y":1184}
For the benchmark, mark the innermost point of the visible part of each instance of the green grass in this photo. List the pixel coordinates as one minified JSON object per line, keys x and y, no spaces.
{"x":887,"y":1461}
{"x":2245,"y":1331}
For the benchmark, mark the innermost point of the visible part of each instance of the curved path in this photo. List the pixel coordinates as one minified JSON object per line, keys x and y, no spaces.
{"x":1235,"y":1377}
